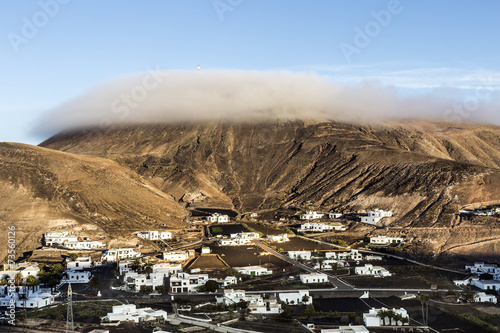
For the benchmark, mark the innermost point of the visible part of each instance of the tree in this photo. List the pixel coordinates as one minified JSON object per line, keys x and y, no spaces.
{"x":310,"y":311}
{"x":18,"y":279}
{"x":211,"y":286}
{"x":72,"y":256}
{"x":148,"y":270}
{"x":382,"y":314}
{"x":32,"y":282}
{"x":391,"y":314}
{"x":305,"y":299}
{"x":3,"y":282}
{"x":424,"y":302}
{"x":136,"y":264}
{"x":94,"y":283}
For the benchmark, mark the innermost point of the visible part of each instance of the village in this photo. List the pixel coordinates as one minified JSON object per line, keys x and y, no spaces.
{"x":245,"y":274}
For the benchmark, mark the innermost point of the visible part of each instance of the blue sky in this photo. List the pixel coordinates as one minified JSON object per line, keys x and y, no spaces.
{"x":76,"y":45}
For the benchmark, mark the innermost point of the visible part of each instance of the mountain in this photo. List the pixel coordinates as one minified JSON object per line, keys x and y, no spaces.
{"x":423,"y":171}
{"x":41,"y":188}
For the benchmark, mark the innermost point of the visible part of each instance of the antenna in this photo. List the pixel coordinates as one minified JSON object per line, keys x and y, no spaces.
{"x":70,"y":327}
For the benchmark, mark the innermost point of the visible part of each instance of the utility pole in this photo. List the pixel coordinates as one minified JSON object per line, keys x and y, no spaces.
{"x":70,"y":327}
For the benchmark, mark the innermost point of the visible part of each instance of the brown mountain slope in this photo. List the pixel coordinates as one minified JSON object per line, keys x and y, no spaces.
{"x":39,"y":186}
{"x":424,"y":172}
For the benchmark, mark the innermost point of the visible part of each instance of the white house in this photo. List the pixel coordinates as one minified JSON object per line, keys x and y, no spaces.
{"x":234,"y":241}
{"x":79,"y":263}
{"x":486,"y":284}
{"x":383,"y":240}
{"x":25,"y":268}
{"x":373,"y":257}
{"x":369,"y":269}
{"x":58,"y":238}
{"x":352,"y":255}
{"x":310,"y":215}
{"x":33,"y":297}
{"x":347,"y":329}
{"x":167,"y":269}
{"x":218,"y":218}
{"x":334,"y":215}
{"x":205,"y":250}
{"x":155,"y":235}
{"x":245,"y":235}
{"x":481,"y":267}
{"x":187,"y":283}
{"x":176,"y":256}
{"x":296,"y":297}
{"x":483,"y":297}
{"x":304,"y":255}
{"x":129,"y":312}
{"x":77,"y":277}
{"x":254,"y":270}
{"x":315,"y":227}
{"x":119,"y":254}
{"x":136,"y":281}
{"x":257,"y":304}
{"x":314,"y":278}
{"x":330,"y":263}
{"x":84,"y":245}
{"x":375,"y":215}
{"x":281,"y":238}
{"x":371,"y":318}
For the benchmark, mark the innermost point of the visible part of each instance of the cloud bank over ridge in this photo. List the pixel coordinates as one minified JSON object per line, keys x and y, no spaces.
{"x":160,"y":96}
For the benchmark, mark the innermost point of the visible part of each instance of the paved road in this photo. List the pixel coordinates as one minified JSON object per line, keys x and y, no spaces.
{"x":331,"y":278}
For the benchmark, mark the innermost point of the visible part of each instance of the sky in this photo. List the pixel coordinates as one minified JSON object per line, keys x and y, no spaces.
{"x":52,"y":51}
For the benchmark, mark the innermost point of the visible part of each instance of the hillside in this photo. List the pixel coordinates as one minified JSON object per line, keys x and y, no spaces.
{"x":40,"y":187}
{"x":424,"y":172}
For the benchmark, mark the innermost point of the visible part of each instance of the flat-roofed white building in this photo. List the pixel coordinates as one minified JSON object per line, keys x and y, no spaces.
{"x":375,"y":215}
{"x":281,"y":238}
{"x":155,"y":235}
{"x":129,"y":312}
{"x":483,"y":297}
{"x":119,"y":254}
{"x":218,"y":218}
{"x":26,"y":269}
{"x":385,"y":240}
{"x":369,"y":269}
{"x":334,"y":215}
{"x":315,"y":227}
{"x":304,"y":255}
{"x":84,"y":245}
{"x":371,"y":319}
{"x":176,"y":256}
{"x":59,"y":238}
{"x":187,"y":283}
{"x":254,"y":270}
{"x":310,"y":215}
{"x":347,"y":329}
{"x":314,"y":278}
{"x":256,"y":303}
{"x":486,"y":284}
{"x":136,"y":281}
{"x":79,"y":263}
{"x":296,"y":297}
{"x":76,"y":277}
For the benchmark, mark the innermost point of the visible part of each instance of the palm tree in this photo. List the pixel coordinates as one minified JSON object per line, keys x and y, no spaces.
{"x":32,"y":282}
{"x":391,"y":314}
{"x":94,"y":283}
{"x":18,"y":279}
{"x":397,"y":318}
{"x":424,"y":300}
{"x":382,"y":314}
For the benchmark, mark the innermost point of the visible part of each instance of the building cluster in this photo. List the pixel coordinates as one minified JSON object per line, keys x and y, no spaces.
{"x":281,"y":238}
{"x":72,"y":241}
{"x":479,"y":268}
{"x":155,"y":235}
{"x":130,"y":313}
